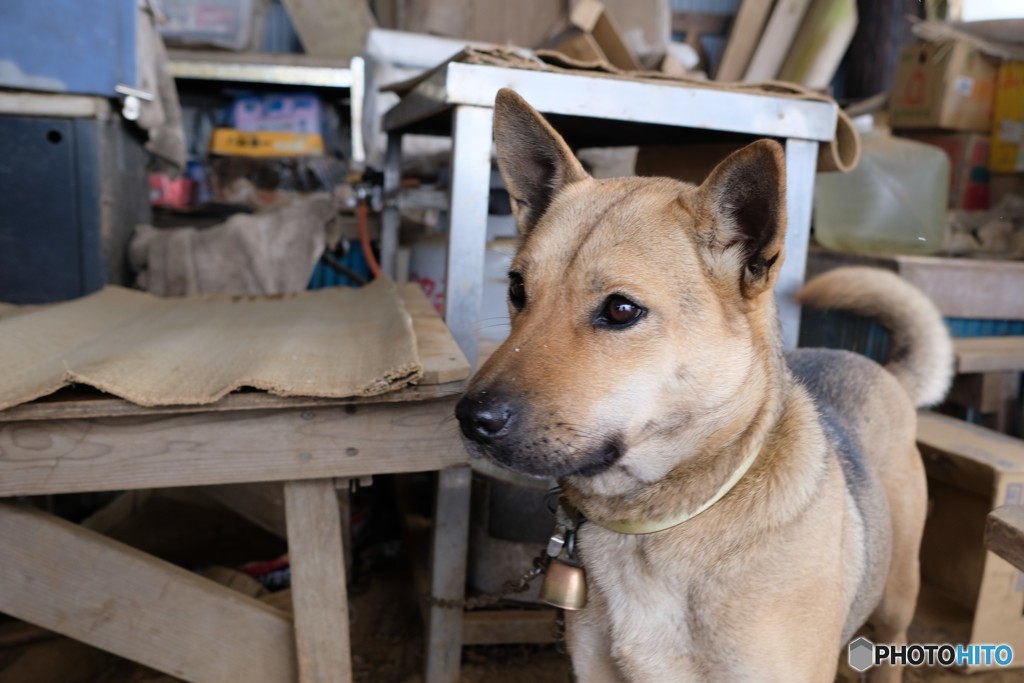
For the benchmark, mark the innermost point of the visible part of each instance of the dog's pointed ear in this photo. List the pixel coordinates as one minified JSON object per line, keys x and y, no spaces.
{"x":747,"y":196}
{"x":532,"y":157}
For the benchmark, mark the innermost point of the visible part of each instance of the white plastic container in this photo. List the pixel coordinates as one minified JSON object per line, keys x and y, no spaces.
{"x":893,"y":202}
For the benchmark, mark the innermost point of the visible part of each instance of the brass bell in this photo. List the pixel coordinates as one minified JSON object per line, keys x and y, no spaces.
{"x":565,"y":586}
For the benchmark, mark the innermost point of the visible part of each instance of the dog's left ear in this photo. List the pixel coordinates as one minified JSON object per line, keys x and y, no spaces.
{"x":747,"y":196}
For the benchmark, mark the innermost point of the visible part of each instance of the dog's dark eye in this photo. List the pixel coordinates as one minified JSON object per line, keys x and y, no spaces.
{"x":618,"y":311}
{"x":516,"y":291}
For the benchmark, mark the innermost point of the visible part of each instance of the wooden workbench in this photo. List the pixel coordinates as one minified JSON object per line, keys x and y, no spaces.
{"x":78,"y":583}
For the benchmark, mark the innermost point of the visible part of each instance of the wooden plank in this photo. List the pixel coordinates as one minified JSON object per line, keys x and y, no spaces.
{"x":989,"y":354}
{"x":509,"y":627}
{"x":775,"y":41}
{"x":1004,"y":534}
{"x":703,"y":23}
{"x":222,"y":448}
{"x":442,"y":359}
{"x":959,"y":287}
{"x":78,"y":583}
{"x":331,"y":28}
{"x":966,"y":455}
{"x":318,"y":581}
{"x":262,"y":503}
{"x":448,"y":549}
{"x":746,"y":30}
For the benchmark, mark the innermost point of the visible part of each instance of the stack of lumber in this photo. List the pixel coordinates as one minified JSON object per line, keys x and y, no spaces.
{"x":801,"y":41}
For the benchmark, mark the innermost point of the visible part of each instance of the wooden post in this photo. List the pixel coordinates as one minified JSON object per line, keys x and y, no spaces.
{"x":448,"y":550}
{"x":318,"y":581}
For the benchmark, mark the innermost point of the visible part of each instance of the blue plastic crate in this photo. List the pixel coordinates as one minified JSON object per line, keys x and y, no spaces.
{"x":841,"y":330}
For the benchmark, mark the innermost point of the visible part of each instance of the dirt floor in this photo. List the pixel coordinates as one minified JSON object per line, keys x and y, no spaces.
{"x":387,"y":647}
{"x":387,"y":633}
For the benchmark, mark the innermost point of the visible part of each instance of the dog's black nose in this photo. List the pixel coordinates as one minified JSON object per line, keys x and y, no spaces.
{"x":482,"y":416}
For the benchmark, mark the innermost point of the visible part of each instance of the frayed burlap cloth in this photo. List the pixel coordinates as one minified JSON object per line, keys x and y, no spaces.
{"x":187,"y":351}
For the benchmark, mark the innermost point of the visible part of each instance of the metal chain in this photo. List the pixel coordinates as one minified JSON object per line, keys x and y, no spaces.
{"x":510,"y":587}
{"x":564,"y":536}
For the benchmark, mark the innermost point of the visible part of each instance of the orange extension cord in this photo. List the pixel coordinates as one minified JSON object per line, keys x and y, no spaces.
{"x":364,"y":237}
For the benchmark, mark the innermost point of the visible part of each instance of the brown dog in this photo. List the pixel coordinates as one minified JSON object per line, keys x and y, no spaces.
{"x":747,"y":509}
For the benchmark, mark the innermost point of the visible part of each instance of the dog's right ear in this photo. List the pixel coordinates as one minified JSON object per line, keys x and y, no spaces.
{"x":532,"y":157}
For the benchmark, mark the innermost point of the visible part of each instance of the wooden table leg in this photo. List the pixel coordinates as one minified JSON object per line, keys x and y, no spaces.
{"x":448,"y":574}
{"x":319,"y":597}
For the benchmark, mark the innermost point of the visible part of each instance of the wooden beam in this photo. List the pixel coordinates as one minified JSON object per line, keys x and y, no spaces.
{"x":440,"y":356}
{"x":1004,"y":534}
{"x":42,"y":457}
{"x":989,"y":354}
{"x":318,"y":581}
{"x":743,"y":39}
{"x":448,"y":550}
{"x":262,"y":503}
{"x":776,"y":40}
{"x":331,"y":28}
{"x":704,"y":23}
{"x":509,"y":627}
{"x":83,"y":585}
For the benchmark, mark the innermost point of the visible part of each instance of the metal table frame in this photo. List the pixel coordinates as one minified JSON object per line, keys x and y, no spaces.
{"x":461,"y":98}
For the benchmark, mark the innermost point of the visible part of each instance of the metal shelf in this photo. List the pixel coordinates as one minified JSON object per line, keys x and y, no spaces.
{"x":279,"y":69}
{"x":271,"y":69}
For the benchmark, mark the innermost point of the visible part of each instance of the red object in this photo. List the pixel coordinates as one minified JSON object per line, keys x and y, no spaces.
{"x":256,"y":569}
{"x":174,"y":193}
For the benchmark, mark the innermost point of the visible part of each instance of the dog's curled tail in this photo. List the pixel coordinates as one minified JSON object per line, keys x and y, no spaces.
{"x":921,"y":356}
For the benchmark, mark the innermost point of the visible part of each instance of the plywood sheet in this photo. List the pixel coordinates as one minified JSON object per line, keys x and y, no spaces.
{"x":192,"y":351}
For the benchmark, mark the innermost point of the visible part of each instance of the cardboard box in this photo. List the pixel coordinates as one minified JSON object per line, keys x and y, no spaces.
{"x":232,"y":142}
{"x":691,"y":164}
{"x":943,"y":85}
{"x":1008,"y":121}
{"x":594,"y":36}
{"x":971,"y":470}
{"x":968,"y":165}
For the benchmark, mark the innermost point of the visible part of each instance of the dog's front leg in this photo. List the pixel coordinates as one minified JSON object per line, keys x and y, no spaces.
{"x":589,"y":642}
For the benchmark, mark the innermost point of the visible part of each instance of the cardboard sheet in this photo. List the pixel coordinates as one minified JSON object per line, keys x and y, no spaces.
{"x":152,"y":351}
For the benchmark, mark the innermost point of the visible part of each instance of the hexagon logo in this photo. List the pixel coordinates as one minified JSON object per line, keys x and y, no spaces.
{"x":862,"y":654}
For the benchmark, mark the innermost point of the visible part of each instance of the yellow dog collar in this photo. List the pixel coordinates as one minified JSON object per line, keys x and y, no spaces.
{"x":640,"y":526}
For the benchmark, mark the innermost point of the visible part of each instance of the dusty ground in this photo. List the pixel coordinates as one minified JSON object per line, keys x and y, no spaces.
{"x":387,"y":647}
{"x":387,"y":632}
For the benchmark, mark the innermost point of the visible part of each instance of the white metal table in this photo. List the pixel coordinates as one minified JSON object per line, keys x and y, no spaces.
{"x":458,"y":100}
